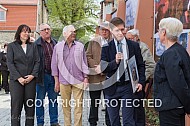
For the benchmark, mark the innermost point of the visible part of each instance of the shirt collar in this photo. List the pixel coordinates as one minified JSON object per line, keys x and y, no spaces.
{"x":123,"y":41}
{"x":44,"y":41}
{"x":73,"y":43}
{"x":104,"y":39}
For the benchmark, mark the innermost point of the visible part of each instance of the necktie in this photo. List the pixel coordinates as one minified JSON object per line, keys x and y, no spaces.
{"x":119,"y":44}
{"x":121,"y":65}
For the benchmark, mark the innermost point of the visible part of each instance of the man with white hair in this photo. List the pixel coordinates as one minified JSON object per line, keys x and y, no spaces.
{"x":133,"y":35}
{"x":45,"y":81}
{"x":69,"y":68}
{"x":139,"y":112}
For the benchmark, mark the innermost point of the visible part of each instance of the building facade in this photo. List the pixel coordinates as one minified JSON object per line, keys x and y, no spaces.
{"x":14,"y":13}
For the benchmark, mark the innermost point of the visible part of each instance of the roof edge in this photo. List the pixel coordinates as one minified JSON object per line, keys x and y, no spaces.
{"x":3,"y":8}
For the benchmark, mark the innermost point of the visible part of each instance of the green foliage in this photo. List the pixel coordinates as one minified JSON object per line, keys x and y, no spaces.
{"x":80,"y":13}
{"x":57,"y":33}
{"x":151,"y":117}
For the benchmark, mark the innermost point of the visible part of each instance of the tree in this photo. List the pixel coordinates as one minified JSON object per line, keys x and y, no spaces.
{"x":81,"y":13}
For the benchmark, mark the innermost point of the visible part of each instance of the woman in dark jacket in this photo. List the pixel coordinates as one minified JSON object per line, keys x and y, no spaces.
{"x":172,"y":76}
{"x":23,"y":64}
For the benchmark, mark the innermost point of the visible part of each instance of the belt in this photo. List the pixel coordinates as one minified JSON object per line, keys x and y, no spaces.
{"x":46,"y":71}
{"x":122,"y":83}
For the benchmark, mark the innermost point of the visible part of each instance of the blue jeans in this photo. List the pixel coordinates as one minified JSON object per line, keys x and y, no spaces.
{"x":48,"y":88}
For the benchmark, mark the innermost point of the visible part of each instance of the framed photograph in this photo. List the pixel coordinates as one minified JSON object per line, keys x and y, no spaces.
{"x":133,"y":71}
{"x":131,"y":12}
{"x":183,"y":40}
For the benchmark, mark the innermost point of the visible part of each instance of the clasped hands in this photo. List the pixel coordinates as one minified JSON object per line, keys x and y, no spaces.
{"x":25,"y":80}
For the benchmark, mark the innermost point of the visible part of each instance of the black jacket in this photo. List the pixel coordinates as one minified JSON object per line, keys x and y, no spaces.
{"x":38,"y":42}
{"x":109,"y":65}
{"x":3,"y":61}
{"x":172,"y":79}
{"x":20,"y":63}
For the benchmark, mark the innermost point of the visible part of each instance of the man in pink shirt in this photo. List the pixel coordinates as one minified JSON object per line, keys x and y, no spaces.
{"x":69,"y":68}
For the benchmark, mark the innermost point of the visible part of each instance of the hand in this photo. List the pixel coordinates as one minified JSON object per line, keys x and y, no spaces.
{"x":118,"y":57}
{"x":86,"y":83}
{"x":57,"y":87}
{"x":97,"y":69}
{"x":139,"y":87}
{"x":29,"y":78}
{"x":22,"y":81}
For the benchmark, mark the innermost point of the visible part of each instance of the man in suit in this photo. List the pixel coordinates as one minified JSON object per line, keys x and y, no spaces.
{"x":45,"y":81}
{"x":93,"y":54}
{"x":4,"y":69}
{"x":118,"y":88}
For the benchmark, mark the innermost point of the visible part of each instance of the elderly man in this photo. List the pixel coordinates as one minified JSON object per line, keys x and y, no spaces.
{"x":69,"y":68}
{"x":133,"y":35}
{"x":45,"y":81}
{"x":139,"y":112}
{"x":96,"y":79}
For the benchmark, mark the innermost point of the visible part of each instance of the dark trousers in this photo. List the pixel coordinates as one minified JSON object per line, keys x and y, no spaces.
{"x":174,"y":117}
{"x":139,"y":111}
{"x":121,"y":99}
{"x":22,"y":95}
{"x":93,"y":117}
{"x":5,"y":83}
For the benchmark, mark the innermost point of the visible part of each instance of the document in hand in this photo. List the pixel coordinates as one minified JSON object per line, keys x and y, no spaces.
{"x":133,"y":71}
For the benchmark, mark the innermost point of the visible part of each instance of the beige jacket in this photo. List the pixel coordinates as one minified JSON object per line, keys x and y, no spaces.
{"x":93,"y":54}
{"x":148,"y":60}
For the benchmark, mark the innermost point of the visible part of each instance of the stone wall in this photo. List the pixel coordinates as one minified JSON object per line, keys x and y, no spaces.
{"x":6,"y":37}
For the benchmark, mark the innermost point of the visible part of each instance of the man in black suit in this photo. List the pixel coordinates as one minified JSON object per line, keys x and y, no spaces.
{"x":4,"y":69}
{"x":118,"y":88}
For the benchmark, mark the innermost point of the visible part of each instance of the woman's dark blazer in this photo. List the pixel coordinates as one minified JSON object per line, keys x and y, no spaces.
{"x":20,"y":63}
{"x":172,"y":79}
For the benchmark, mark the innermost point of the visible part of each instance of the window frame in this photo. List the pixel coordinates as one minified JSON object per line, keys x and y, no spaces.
{"x":5,"y":16}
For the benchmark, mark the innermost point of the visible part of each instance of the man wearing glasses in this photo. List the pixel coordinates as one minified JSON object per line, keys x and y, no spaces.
{"x":45,"y":81}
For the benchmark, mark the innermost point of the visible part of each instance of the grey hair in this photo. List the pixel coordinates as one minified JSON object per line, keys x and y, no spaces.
{"x":173,"y":27}
{"x":66,"y":28}
{"x":42,"y":25}
{"x":134,"y":32}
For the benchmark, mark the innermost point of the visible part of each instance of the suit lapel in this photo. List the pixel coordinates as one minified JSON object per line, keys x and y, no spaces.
{"x":112,"y":49}
{"x":131,"y":51}
{"x":28,"y":48}
{"x":20,"y":48}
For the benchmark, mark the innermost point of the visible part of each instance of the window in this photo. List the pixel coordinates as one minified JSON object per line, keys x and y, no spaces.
{"x":2,"y":15}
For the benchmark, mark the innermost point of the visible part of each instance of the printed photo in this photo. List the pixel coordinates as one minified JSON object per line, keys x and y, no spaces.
{"x":133,"y":72}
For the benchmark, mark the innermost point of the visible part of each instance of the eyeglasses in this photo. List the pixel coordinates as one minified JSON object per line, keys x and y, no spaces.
{"x":46,"y":29}
{"x":159,"y":30}
{"x":104,"y":29}
{"x":73,"y":32}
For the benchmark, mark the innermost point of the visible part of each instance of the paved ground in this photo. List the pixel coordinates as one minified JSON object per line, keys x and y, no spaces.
{"x":5,"y":112}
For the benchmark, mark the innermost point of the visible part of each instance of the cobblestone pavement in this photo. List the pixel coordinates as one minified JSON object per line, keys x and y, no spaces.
{"x":5,"y":112}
